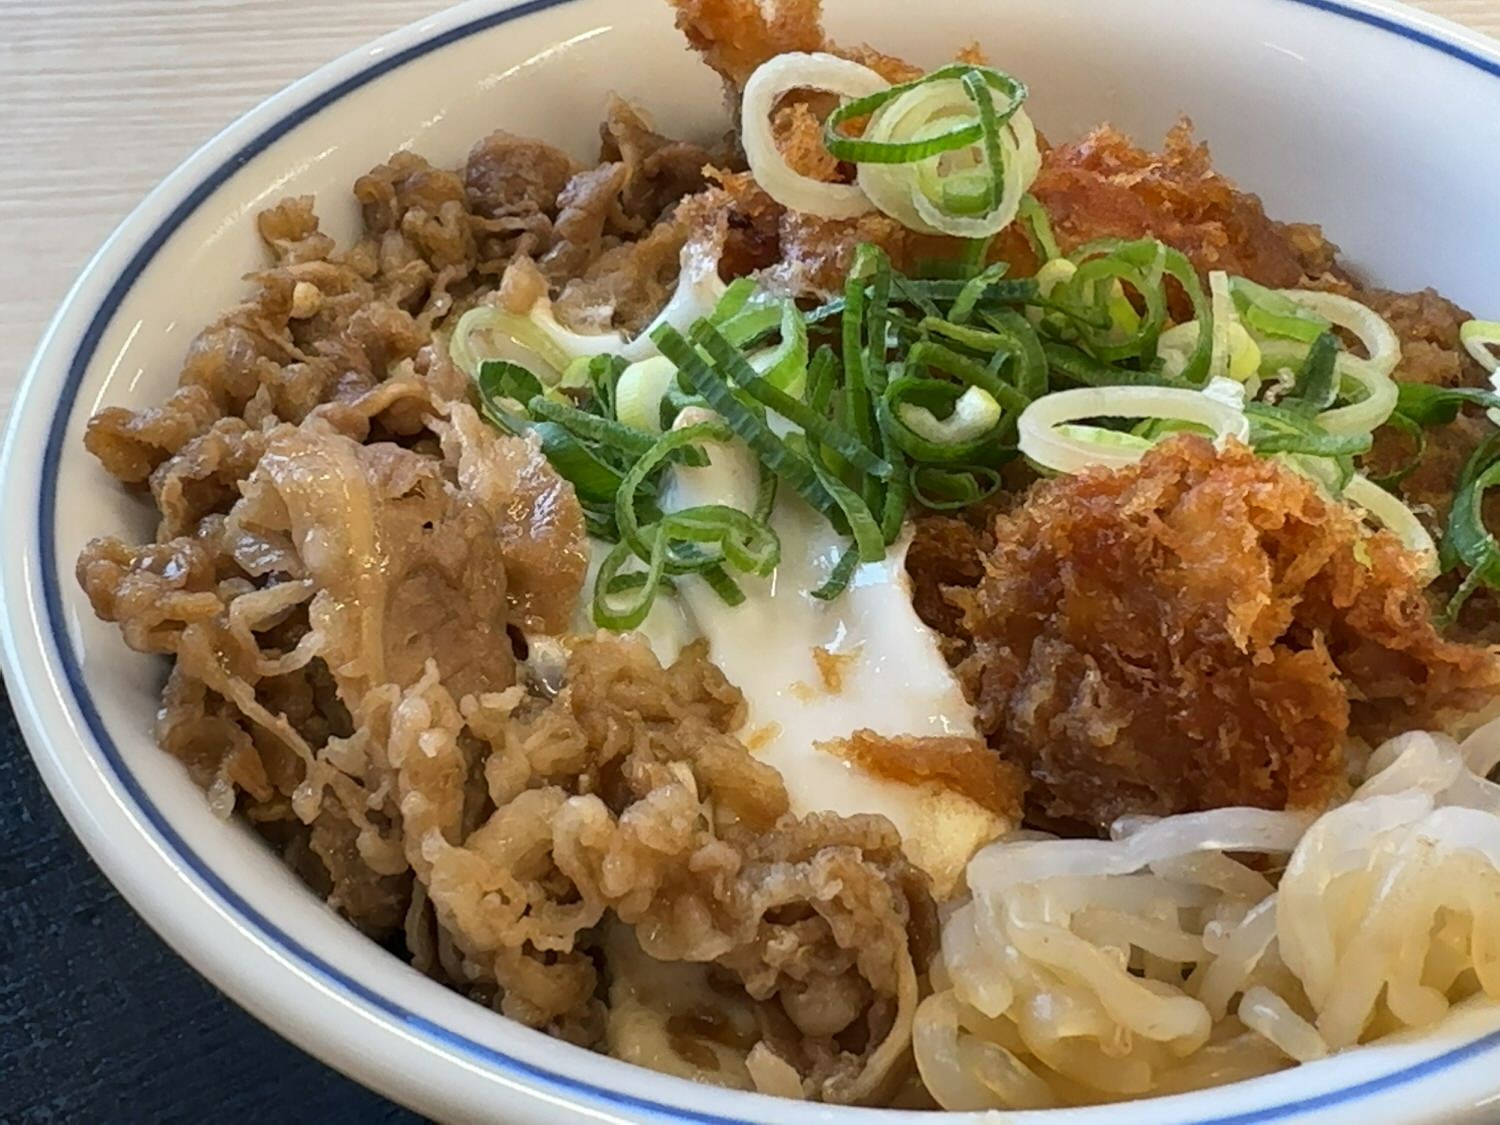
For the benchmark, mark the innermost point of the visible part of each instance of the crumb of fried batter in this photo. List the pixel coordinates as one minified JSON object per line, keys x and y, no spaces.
{"x":762,"y":736}
{"x":799,"y":137}
{"x":831,"y":666}
{"x":965,"y":765}
{"x":1197,"y":631}
{"x":736,"y":36}
{"x":1104,"y":186}
{"x":894,"y":70}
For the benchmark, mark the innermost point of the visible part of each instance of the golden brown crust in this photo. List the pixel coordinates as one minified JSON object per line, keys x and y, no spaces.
{"x":736,"y":36}
{"x":1103,"y":186}
{"x":945,"y":553}
{"x":1195,"y":631}
{"x":964,"y":765}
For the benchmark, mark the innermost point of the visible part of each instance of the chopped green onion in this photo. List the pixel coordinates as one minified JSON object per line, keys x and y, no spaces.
{"x":639,"y":392}
{"x":857,"y":150}
{"x":877,"y":317}
{"x":1478,"y":337}
{"x":499,"y":378}
{"x":610,"y":609}
{"x":839,"y":578}
{"x":632,"y":530}
{"x":1281,"y":429}
{"x":1468,"y":540}
{"x":747,"y":544}
{"x":948,"y":488}
{"x":722,"y":584}
{"x":1038,"y":229}
{"x":1271,"y":314}
{"x":821,"y":373}
{"x":736,"y":295}
{"x":592,"y":427}
{"x":976,"y":85}
{"x":927,"y":353}
{"x":785,"y":368}
{"x":745,"y":423}
{"x":893,"y":509}
{"x":590,"y":475}
{"x":1315,"y":387}
{"x":820,"y":428}
{"x":1085,"y":370}
{"x":862,"y":524}
{"x":1413,"y":430}
{"x":907,"y":419}
{"x":1430,"y":405}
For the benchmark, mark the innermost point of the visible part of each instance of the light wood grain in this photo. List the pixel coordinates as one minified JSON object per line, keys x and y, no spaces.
{"x":99,"y":99}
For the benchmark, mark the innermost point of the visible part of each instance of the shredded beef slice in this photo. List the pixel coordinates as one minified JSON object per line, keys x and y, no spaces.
{"x":1199,"y":630}
{"x":627,"y":796}
{"x":338,"y":572}
{"x":659,"y":170}
{"x":510,"y":175}
{"x":343,"y":550}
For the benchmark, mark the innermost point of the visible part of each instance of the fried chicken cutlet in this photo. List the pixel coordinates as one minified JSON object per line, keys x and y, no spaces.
{"x":1199,"y":630}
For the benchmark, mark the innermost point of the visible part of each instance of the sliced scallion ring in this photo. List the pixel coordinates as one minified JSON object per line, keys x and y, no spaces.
{"x":1478,"y":337}
{"x":1372,"y":372}
{"x":1391,"y":513}
{"x":1382,"y":346}
{"x":1370,"y":412}
{"x":778,"y":76}
{"x":975,"y":414}
{"x":639,"y":392}
{"x":1043,"y":443}
{"x":915,"y":192}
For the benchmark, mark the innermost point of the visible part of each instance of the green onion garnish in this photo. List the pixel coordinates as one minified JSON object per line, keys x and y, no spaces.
{"x":911,"y":390}
{"x":857,"y":150}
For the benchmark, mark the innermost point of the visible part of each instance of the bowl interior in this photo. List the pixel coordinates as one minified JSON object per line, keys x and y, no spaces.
{"x":1399,"y":171}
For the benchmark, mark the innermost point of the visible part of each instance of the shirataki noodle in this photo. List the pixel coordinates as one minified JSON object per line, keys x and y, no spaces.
{"x":1174,"y":956}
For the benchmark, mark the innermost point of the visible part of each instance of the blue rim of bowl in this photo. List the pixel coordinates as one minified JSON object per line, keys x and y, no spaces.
{"x":52,"y":596}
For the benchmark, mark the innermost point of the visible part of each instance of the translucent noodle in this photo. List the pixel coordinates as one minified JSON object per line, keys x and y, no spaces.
{"x":1212,"y":947}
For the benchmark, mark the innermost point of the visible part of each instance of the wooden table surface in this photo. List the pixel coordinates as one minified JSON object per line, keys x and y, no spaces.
{"x":99,"y":99}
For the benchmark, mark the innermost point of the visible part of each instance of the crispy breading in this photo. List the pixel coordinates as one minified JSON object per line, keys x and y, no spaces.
{"x":964,"y":765}
{"x":790,"y":252}
{"x":799,"y":137}
{"x":1199,"y":630}
{"x":1103,"y":186}
{"x":736,"y":36}
{"x":946,"y":552}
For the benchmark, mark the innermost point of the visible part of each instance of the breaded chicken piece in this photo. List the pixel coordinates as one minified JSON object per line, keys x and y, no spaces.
{"x":1199,"y":630}
{"x":736,"y":36}
{"x":1104,"y":186}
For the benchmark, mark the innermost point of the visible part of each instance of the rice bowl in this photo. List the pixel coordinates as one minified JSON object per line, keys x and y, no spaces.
{"x":247,"y":857}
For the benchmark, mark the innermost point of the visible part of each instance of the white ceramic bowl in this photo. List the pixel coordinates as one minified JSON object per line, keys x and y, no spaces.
{"x":1382,"y":123}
